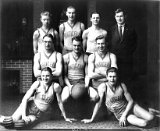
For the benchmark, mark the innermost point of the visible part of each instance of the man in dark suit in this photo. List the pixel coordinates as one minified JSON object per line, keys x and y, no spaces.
{"x":122,"y":42}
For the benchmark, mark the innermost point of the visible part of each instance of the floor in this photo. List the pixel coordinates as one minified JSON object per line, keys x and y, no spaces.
{"x":9,"y":103}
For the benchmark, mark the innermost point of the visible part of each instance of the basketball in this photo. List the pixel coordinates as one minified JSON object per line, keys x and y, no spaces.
{"x":78,"y":91}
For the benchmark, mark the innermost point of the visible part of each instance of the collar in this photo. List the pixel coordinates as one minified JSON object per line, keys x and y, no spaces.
{"x":121,"y":25}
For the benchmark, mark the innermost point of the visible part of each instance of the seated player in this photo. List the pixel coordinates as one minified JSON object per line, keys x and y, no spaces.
{"x":36,"y":102}
{"x":49,"y":57}
{"x":119,"y":101}
{"x":99,"y":62}
{"x":75,"y":64}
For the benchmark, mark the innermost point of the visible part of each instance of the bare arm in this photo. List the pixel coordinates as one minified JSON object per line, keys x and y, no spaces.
{"x":91,"y":67}
{"x":57,"y":39}
{"x":60,"y":104}
{"x":128,"y":97}
{"x":61,"y":35}
{"x":66,"y":80}
{"x":36,"y":65}
{"x":87,"y":80}
{"x":58,"y":70}
{"x":35,"y":41}
{"x":101,"y":91}
{"x":84,"y":37}
{"x":113,"y":60}
{"x":82,"y":27}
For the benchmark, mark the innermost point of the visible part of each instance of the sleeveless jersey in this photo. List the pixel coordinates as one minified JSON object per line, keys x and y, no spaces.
{"x":42,"y":33}
{"x":43,"y":98}
{"x":69,"y":33}
{"x":115,"y":102}
{"x":46,"y":61}
{"x":76,"y":68}
{"x":102,"y":64}
{"x":91,"y":39}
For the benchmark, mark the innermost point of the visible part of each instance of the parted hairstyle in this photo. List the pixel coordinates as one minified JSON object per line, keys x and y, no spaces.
{"x":120,"y":10}
{"x":47,"y":69}
{"x":112,"y":69}
{"x":77,"y":38}
{"x":71,"y":7}
{"x":50,"y":36}
{"x":94,"y":13}
{"x":46,"y":13}
{"x":100,"y":37}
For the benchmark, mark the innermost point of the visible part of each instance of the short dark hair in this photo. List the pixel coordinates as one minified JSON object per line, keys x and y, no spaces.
{"x":100,"y":37}
{"x":71,"y":7}
{"x":112,"y":69}
{"x":50,"y":36}
{"x":47,"y":69}
{"x":119,"y":10}
{"x":95,"y":13}
{"x":46,"y":13}
{"x":77,"y":38}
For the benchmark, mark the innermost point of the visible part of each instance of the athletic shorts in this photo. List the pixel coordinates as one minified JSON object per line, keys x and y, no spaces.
{"x":32,"y":109}
{"x":119,"y":113}
{"x":95,"y":84}
{"x":73,"y":82}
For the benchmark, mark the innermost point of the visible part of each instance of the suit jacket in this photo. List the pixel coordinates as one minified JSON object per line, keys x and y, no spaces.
{"x":123,"y":47}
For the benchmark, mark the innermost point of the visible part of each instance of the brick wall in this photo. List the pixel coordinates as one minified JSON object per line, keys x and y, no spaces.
{"x":25,"y":67}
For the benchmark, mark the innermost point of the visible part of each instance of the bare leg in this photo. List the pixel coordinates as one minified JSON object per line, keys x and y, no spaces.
{"x":142,"y":113}
{"x":65,"y":94}
{"x":93,"y":94}
{"x":17,"y":115}
{"x":134,"y":120}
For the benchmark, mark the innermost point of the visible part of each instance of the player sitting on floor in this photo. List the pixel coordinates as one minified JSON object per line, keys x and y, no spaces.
{"x":36,"y":102}
{"x":119,"y":101}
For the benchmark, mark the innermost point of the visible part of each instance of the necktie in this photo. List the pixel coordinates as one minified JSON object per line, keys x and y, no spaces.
{"x":120,"y":31}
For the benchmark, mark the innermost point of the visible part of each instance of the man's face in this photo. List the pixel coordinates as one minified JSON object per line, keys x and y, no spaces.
{"x":95,"y":19}
{"x":48,"y":44}
{"x":101,"y":45}
{"x":120,"y":18}
{"x":71,"y":14}
{"x":112,"y":78}
{"x":46,"y":77}
{"x":45,"y":20}
{"x":77,"y":46}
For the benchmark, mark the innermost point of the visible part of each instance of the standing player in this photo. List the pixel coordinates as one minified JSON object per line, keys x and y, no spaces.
{"x":48,"y":58}
{"x":69,"y":29}
{"x":42,"y":31}
{"x":76,"y":63}
{"x":90,"y":34}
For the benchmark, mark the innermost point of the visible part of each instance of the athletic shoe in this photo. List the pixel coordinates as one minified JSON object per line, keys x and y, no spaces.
{"x":154,"y":112}
{"x":6,"y":121}
{"x":19,"y":123}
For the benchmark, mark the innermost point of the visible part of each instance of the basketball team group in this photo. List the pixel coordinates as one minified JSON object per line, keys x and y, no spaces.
{"x":77,"y":61}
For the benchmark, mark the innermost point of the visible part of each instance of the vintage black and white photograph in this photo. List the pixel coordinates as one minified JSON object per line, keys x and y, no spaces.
{"x":80,"y":65}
